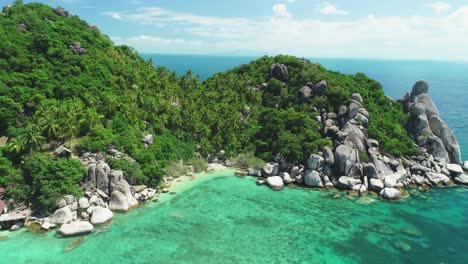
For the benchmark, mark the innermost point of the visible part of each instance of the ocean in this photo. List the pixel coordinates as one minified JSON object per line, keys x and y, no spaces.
{"x":226,"y":219}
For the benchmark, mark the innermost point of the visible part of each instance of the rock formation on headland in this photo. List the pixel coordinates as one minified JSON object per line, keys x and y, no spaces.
{"x":427,"y":127}
{"x":356,"y":163}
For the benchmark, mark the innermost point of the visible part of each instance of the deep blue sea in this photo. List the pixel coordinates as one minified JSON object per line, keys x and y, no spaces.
{"x":448,"y":80}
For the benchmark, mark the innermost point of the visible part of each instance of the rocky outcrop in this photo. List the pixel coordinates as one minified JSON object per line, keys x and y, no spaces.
{"x":427,"y":127}
{"x":312,"y":178}
{"x":62,"y":12}
{"x":75,"y":228}
{"x":101,"y":215}
{"x":391,"y":193}
{"x":275,"y":183}
{"x":77,"y":48}
{"x":121,"y":198}
{"x":345,"y":158}
{"x":341,"y":166}
{"x":62,"y":216}
{"x":279,"y":72}
{"x":320,"y":88}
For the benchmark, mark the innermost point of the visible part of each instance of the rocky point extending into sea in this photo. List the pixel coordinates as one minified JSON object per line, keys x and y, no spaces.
{"x":437,"y":165}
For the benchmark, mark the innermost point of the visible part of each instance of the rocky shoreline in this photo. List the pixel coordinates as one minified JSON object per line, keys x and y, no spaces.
{"x":106,"y":193}
{"x":356,"y":164}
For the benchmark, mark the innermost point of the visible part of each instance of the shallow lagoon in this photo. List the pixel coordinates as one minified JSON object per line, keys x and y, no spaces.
{"x":225,"y":219}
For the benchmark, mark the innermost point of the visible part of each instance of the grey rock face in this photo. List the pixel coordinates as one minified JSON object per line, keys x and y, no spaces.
{"x":275,"y":182}
{"x":429,"y":107}
{"x":345,"y":158}
{"x":391,"y":193}
{"x":462,"y":179}
{"x":279,"y":72}
{"x":315,"y":162}
{"x":312,"y":179}
{"x":356,"y":138}
{"x":328,"y":156}
{"x":101,"y":215}
{"x":370,"y":171}
{"x":438,"y":178}
{"x":420,"y":87}
{"x":383,"y":168}
{"x":435,"y":146}
{"x":320,"y":88}
{"x":446,"y":135}
{"x":270,"y":169}
{"x":303,"y":94}
{"x":62,"y":216}
{"x":118,"y":202}
{"x":357,"y":97}
{"x":376,"y":185}
{"x":353,"y":109}
{"x":348,"y":182}
{"x":83,"y":203}
{"x":75,"y":228}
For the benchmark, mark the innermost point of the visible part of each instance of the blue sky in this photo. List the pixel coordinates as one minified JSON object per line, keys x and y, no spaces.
{"x":397,"y":29}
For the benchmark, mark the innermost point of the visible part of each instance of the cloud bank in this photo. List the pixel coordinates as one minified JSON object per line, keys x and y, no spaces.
{"x":442,"y":36}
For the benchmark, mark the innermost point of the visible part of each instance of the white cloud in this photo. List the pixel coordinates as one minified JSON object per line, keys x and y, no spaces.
{"x":440,"y":7}
{"x":391,"y":37}
{"x":329,"y":9}
{"x":115,"y":15}
{"x":281,"y":10}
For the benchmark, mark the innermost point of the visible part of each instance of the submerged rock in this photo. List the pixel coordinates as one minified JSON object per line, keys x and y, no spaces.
{"x":403,"y":246}
{"x":391,"y":193}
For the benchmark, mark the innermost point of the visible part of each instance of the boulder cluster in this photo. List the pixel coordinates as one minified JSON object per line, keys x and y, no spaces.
{"x":356,"y":164}
{"x":427,"y":127}
{"x":77,"y":48}
{"x":106,"y":191}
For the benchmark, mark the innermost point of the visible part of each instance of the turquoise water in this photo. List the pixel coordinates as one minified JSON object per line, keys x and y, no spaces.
{"x":231,"y":220}
{"x":448,"y":80}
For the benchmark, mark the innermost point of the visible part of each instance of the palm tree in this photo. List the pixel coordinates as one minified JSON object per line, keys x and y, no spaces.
{"x":16,"y":145}
{"x":33,"y":137}
{"x":49,"y":126}
{"x":70,"y":130}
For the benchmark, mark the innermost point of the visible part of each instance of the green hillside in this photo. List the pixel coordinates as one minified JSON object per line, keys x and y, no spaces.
{"x":63,"y":82}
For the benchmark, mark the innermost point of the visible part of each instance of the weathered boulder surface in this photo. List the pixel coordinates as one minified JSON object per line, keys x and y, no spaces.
{"x":376,"y":184}
{"x":62,"y":216}
{"x":455,"y":169}
{"x":75,"y":228}
{"x":391,"y":193}
{"x":101,"y":215}
{"x":345,"y":158}
{"x":121,"y":198}
{"x":312,"y":178}
{"x":118,"y":202}
{"x":427,"y":127}
{"x":270,"y":169}
{"x":356,"y":138}
{"x":275,"y":183}
{"x":279,"y":72}
{"x":320,"y":88}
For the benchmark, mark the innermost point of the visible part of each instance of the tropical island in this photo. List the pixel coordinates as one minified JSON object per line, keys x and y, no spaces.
{"x":89,"y":128}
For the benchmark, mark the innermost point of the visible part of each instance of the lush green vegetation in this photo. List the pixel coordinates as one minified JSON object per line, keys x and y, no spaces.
{"x":51,"y":96}
{"x":51,"y":178}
